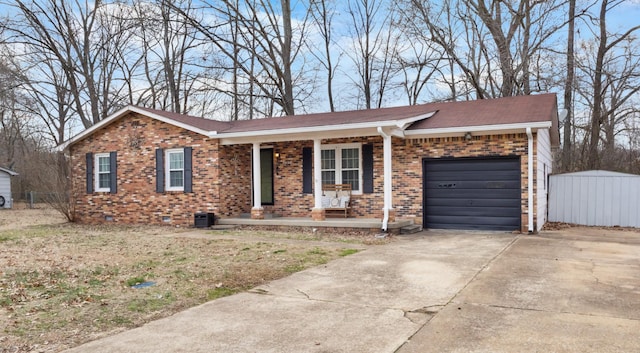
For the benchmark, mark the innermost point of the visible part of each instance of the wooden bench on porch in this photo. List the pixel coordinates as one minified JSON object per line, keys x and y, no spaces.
{"x":336,"y":199}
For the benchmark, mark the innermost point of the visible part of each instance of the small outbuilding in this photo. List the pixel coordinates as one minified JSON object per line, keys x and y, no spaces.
{"x":5,"y":187}
{"x":595,"y":198}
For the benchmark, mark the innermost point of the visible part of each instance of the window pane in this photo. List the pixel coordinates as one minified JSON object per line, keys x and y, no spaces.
{"x":176,"y":160}
{"x":350,"y":158}
{"x":176,"y":179}
{"x":328,"y":177}
{"x":103,"y":165}
{"x":104,"y":181}
{"x":351,"y":177}
{"x":328,"y":159}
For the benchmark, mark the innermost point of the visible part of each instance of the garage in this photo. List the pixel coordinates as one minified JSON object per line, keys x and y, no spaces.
{"x":472,"y":193}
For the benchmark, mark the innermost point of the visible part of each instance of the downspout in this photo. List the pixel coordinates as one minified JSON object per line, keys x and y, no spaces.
{"x":387,"y":177}
{"x":530,"y":178}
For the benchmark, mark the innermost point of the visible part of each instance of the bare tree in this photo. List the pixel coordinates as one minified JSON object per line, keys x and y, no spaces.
{"x":262,"y":46}
{"x":68,"y":35}
{"x":477,"y":35}
{"x":170,"y":53}
{"x":12,"y":122}
{"x":607,"y":49}
{"x":372,"y":51}
{"x":568,"y":88}
{"x":322,"y":14}
{"x":420,"y":64}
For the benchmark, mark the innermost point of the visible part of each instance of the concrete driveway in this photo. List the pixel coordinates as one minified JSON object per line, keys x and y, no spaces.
{"x":436,"y":292}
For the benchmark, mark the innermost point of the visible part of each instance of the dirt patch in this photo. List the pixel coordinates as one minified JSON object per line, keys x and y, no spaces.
{"x":626,"y":235}
{"x":64,"y":284}
{"x":20,"y":218}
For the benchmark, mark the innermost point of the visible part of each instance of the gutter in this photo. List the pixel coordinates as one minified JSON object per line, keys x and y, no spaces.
{"x":530,"y":178}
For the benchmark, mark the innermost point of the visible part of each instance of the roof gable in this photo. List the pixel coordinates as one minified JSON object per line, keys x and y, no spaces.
{"x":187,"y":122}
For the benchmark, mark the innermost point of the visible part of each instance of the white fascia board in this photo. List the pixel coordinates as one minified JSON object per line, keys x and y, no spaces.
{"x":284,"y":137}
{"x":8,"y":171}
{"x":120,"y":113}
{"x":322,"y":131}
{"x":404,"y":123}
{"x":455,"y":131}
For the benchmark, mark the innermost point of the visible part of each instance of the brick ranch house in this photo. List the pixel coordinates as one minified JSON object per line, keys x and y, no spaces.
{"x":463,"y":165}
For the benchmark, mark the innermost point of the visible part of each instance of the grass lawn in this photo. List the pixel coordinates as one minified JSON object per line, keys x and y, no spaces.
{"x":65,"y":284}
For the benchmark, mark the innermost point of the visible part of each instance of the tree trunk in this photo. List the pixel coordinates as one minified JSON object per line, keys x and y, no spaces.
{"x":568,"y":90}
{"x":593,"y":157}
{"x":287,"y":100}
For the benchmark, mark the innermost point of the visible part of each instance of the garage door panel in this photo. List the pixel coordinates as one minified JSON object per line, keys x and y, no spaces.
{"x":451,"y":222}
{"x":479,"y":165}
{"x":474,"y":175}
{"x":473,"y":211}
{"x":462,"y":202}
{"x":472,"y":193}
{"x":472,"y":226}
{"x":453,"y":184}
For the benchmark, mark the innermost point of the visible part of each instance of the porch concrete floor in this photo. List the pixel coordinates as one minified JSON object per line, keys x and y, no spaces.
{"x":364,"y":223}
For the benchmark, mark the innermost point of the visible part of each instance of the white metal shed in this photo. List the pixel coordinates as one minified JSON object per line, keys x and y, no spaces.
{"x":595,"y":198}
{"x":5,"y":187}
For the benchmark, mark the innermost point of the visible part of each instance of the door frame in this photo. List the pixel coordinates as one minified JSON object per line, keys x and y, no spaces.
{"x":262,"y":160}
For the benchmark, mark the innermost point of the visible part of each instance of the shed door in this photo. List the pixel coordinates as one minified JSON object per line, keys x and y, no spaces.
{"x":472,"y":193}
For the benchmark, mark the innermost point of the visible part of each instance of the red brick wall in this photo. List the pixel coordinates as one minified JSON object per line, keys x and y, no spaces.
{"x":235,"y":180}
{"x":135,"y":139}
{"x":222,"y":174}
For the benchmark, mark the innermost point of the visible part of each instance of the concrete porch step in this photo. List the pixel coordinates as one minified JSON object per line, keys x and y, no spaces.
{"x":410,"y":229}
{"x":266,"y":215}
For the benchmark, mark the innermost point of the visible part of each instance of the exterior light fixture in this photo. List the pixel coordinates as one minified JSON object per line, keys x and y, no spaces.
{"x":468,"y":136}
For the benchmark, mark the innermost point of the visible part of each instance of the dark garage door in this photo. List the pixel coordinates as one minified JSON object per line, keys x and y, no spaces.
{"x":472,"y":193}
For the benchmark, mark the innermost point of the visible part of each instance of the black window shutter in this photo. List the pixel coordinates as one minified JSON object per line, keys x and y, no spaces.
{"x":307,"y":170}
{"x":89,"y":173}
{"x":367,"y":169}
{"x":188,"y":169}
{"x":159,"y":170}
{"x":113,"y":172}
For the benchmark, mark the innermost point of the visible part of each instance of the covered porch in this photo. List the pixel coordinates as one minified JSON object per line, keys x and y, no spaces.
{"x":296,"y":167}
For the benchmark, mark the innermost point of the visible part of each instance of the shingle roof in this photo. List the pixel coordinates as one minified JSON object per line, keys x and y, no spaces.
{"x":510,"y":110}
{"x":197,"y":122}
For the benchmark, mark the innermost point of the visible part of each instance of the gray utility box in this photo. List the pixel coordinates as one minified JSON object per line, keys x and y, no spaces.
{"x":203,"y":220}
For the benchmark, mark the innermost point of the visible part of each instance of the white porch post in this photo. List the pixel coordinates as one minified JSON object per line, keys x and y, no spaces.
{"x":257,"y":210}
{"x":318,"y":212}
{"x":388,"y":182}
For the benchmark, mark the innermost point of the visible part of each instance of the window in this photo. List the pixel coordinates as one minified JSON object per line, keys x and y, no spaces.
{"x":341,"y":165}
{"x":175,"y":170}
{"x":103,"y":172}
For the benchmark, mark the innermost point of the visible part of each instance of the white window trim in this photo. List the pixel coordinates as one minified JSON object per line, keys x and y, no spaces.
{"x":338,"y":147}
{"x":96,"y":171}
{"x":167,"y":170}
